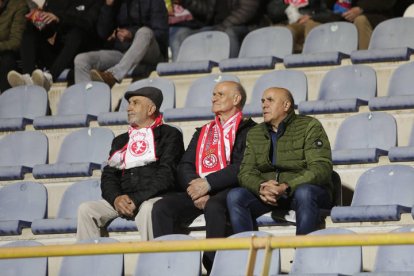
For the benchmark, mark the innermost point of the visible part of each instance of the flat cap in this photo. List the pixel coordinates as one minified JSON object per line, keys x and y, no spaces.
{"x":152,"y":93}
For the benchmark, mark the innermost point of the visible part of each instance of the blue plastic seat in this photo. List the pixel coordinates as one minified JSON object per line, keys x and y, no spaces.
{"x":20,"y":105}
{"x":326,"y":44}
{"x":294,"y":81}
{"x":343,"y":89}
{"x":381,"y":194}
{"x":81,"y":152}
{"x":20,"y":152}
{"x":169,"y":263}
{"x":78,"y":105}
{"x":364,"y":137}
{"x":234,"y":262}
{"x":167,"y":88}
{"x":391,"y":40}
{"x":328,"y":260}
{"x":24,"y":266}
{"x":198,"y":101}
{"x":93,"y":265}
{"x":20,"y":204}
{"x":198,"y":53}
{"x":261,"y":49}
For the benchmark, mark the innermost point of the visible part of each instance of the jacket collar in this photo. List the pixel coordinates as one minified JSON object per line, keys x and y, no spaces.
{"x":282,"y":126}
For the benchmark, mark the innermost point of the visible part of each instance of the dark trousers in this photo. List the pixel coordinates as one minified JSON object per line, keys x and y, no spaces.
{"x":175,"y":210}
{"x":7,"y":63}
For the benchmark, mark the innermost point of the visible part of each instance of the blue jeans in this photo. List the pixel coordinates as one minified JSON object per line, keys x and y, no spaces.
{"x":244,"y":207}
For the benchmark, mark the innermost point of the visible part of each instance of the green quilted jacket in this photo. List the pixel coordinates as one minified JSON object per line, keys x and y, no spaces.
{"x":303,"y":155}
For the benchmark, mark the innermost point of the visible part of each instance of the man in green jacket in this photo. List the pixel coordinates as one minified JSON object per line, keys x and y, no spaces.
{"x":287,"y":164}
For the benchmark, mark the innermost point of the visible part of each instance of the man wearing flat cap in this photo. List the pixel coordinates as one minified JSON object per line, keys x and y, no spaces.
{"x":141,"y":166}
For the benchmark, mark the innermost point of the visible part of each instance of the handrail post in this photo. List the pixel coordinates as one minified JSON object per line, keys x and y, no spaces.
{"x":267,"y":257}
{"x":251,"y":261}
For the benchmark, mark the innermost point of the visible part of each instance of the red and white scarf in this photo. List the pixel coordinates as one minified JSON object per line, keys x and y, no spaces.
{"x":215,"y":144}
{"x":297,"y":3}
{"x":140,"y":149}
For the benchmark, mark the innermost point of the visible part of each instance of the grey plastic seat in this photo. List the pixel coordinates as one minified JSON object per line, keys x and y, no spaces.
{"x":400,"y":93}
{"x":80,"y":153}
{"x":403,"y":153}
{"x":343,"y":89}
{"x":93,"y":265}
{"x":198,"y":102}
{"x":198,"y":53}
{"x":169,"y":263}
{"x":326,"y":44}
{"x":382,"y":193}
{"x":364,"y":137}
{"x":234,"y":262}
{"x":294,"y":81}
{"x":20,"y":152}
{"x":78,"y":105}
{"x":20,"y":204}
{"x":24,"y":266}
{"x":261,"y":49}
{"x":391,"y":40}
{"x":328,"y":260}
{"x":20,"y":105}
{"x":167,"y":88}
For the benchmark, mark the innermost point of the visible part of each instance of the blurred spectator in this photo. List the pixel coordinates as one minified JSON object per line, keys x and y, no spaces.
{"x":54,"y":35}
{"x":12,"y":24}
{"x":401,"y":6}
{"x":136,"y":32}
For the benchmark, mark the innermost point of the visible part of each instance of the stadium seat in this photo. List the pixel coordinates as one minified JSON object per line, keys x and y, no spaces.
{"x":169,"y":263}
{"x":93,"y":265}
{"x":81,"y":152}
{"x":198,"y":101}
{"x":364,"y":137}
{"x":327,"y":260}
{"x":403,"y":153}
{"x":400,"y":90}
{"x":234,"y":262}
{"x":20,"y":105}
{"x":121,"y":117}
{"x":382,"y":193}
{"x":24,"y":266}
{"x":326,"y":44}
{"x":261,"y":49}
{"x":294,"y":81}
{"x":20,"y":204}
{"x":343,"y":89}
{"x":198,"y":53}
{"x":391,"y":40}
{"x":20,"y":152}
{"x":78,"y":105}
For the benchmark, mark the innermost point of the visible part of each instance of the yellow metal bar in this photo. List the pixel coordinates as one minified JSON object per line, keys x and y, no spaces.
{"x":252,"y":257}
{"x":267,"y":257}
{"x":208,"y":245}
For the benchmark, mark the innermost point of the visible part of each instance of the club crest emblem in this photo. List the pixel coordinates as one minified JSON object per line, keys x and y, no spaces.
{"x":210,"y":161}
{"x":138,"y":148}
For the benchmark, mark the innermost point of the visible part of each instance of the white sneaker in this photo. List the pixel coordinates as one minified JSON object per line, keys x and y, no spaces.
{"x":16,"y":79}
{"x":43,"y":79}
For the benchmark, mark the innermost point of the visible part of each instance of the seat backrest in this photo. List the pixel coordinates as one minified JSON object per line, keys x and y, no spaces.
{"x":293,"y":80}
{"x":349,"y":82}
{"x":402,"y":81}
{"x":367,"y":130}
{"x":343,"y":260}
{"x":393,"y":33}
{"x":201,"y":90}
{"x":23,"y":201}
{"x":166,"y":86}
{"x":28,"y":101}
{"x":268,"y":41}
{"x":170,"y":263}
{"x":409,"y":11}
{"x":23,"y":266}
{"x":85,"y":98}
{"x":86,"y":145}
{"x":234,"y":262}
{"x":93,"y":264}
{"x":24,"y":148}
{"x":384,"y":185}
{"x":332,"y":37}
{"x":77,"y":193}
{"x":209,"y":45}
{"x":395,"y":258}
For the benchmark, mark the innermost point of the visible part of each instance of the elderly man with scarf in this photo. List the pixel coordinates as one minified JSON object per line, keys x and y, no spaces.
{"x":208,"y":169}
{"x":141,"y":167}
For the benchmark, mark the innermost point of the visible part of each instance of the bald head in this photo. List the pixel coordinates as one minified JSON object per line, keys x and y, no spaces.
{"x":277,"y":103}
